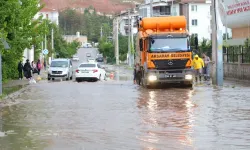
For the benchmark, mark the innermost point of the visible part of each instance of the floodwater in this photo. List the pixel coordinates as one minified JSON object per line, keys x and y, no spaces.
{"x":119,"y":115}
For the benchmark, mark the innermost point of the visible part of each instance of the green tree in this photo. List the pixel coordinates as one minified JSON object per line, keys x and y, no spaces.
{"x":88,"y":24}
{"x":107,"y":49}
{"x":123,"y":47}
{"x":16,"y":26}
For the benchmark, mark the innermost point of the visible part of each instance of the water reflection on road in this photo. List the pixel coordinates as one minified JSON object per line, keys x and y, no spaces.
{"x":166,"y":118}
{"x":119,"y":115}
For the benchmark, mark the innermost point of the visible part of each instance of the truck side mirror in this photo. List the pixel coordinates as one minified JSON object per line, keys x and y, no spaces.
{"x":141,"y":45}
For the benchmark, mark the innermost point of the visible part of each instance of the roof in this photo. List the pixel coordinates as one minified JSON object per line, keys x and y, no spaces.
{"x":48,"y":10}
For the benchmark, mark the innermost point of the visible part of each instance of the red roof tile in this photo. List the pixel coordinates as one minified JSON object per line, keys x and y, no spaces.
{"x":104,"y":6}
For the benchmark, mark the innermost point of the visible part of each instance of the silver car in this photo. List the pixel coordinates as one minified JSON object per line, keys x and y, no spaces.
{"x":60,"y":68}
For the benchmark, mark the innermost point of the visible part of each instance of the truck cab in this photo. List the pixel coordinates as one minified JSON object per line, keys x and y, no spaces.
{"x":165,"y":54}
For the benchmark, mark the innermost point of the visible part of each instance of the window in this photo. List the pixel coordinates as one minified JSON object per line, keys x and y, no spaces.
{"x":194,"y":22}
{"x":195,"y":35}
{"x":194,"y":7}
{"x":87,"y":66}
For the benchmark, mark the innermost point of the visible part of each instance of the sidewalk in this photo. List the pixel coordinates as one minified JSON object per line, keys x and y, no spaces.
{"x":15,"y":85}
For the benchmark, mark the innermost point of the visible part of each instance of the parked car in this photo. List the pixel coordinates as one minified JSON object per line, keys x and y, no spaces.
{"x":88,"y":55}
{"x":90,"y":71}
{"x":87,"y":45}
{"x":99,"y":59}
{"x":60,"y":68}
{"x":75,"y":58}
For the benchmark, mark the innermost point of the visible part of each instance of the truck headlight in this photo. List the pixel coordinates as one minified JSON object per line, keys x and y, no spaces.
{"x":188,"y":77}
{"x":152,"y":78}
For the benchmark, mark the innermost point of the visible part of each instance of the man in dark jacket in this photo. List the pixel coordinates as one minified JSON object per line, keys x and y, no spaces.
{"x":27,"y":69}
{"x":20,"y":70}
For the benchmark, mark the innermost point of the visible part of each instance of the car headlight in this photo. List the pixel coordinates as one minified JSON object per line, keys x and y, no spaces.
{"x":152,"y":78}
{"x":188,"y":77}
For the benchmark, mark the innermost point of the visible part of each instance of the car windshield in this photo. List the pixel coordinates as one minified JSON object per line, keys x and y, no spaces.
{"x":87,"y":65}
{"x":169,"y":44}
{"x":62,"y":64}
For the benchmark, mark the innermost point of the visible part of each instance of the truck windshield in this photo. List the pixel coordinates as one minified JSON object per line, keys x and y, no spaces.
{"x":169,"y":44}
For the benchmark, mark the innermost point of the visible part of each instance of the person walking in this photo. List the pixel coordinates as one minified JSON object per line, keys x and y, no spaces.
{"x":39,"y":66}
{"x":20,"y":70}
{"x":134,"y":74}
{"x":206,"y":68}
{"x":27,"y":70}
{"x":44,"y":64}
{"x":197,"y":64}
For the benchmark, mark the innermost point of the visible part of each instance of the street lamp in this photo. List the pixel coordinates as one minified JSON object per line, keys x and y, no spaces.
{"x":6,"y":46}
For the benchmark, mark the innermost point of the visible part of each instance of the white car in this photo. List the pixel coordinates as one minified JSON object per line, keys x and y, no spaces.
{"x":90,"y":71}
{"x":91,"y":60}
{"x":88,"y":55}
{"x":75,"y":58}
{"x":60,"y":68}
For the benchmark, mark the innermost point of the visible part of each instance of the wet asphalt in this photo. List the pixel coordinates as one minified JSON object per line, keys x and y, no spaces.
{"x":118,"y":115}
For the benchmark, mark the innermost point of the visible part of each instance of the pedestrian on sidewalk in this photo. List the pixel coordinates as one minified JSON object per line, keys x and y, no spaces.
{"x":134,"y":74}
{"x":206,"y":68}
{"x":27,"y":70}
{"x":39,"y":66}
{"x":20,"y":70}
{"x":197,"y":64}
{"x":33,"y":66}
{"x":44,"y":64}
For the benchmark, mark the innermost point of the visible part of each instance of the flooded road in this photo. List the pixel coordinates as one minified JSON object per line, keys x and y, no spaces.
{"x":117,"y":115}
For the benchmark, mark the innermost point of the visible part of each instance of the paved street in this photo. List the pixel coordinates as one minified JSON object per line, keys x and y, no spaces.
{"x":117,"y":115}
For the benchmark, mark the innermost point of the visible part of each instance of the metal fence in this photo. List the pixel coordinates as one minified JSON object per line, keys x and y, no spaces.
{"x":236,"y":54}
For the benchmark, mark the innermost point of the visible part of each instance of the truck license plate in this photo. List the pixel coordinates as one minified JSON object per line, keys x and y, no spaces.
{"x":170,"y":76}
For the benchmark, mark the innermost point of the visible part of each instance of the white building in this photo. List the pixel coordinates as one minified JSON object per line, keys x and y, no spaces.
{"x":50,"y":14}
{"x":197,"y":13}
{"x":124,"y":22}
{"x":47,"y":13}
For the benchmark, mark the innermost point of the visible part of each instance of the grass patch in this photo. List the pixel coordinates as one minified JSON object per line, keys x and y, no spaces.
{"x":129,"y":68}
{"x":8,"y":90}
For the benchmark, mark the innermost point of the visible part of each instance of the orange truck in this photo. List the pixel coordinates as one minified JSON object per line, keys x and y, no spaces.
{"x":163,"y":53}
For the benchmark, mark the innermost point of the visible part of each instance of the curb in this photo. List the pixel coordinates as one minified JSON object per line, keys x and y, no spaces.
{"x":11,"y":98}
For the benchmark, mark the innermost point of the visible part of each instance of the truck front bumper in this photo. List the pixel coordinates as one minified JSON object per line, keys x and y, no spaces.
{"x":170,"y":76}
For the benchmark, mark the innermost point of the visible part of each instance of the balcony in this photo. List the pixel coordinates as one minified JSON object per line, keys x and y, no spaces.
{"x":161,"y":11}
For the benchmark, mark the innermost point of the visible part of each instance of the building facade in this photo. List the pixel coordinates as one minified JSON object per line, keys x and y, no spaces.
{"x":80,"y":38}
{"x":48,"y":13}
{"x":236,"y":15}
{"x":197,"y":13}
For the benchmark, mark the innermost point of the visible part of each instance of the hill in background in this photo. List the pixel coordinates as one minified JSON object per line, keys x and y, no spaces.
{"x":103,"y":6}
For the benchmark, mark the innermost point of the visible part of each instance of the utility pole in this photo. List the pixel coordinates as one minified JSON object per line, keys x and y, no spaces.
{"x":132,"y":41}
{"x":101,"y":31}
{"x":6,"y":46}
{"x":117,"y":41}
{"x":217,"y":53}
{"x":52,"y":42}
{"x":172,"y":7}
{"x":151,"y":8}
{"x":129,"y":44}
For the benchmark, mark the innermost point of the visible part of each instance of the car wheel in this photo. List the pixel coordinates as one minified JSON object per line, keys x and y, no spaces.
{"x":49,"y":77}
{"x":77,"y":80}
{"x":71,"y":76}
{"x":100,"y":78}
{"x":67,"y":78}
{"x":53,"y":79}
